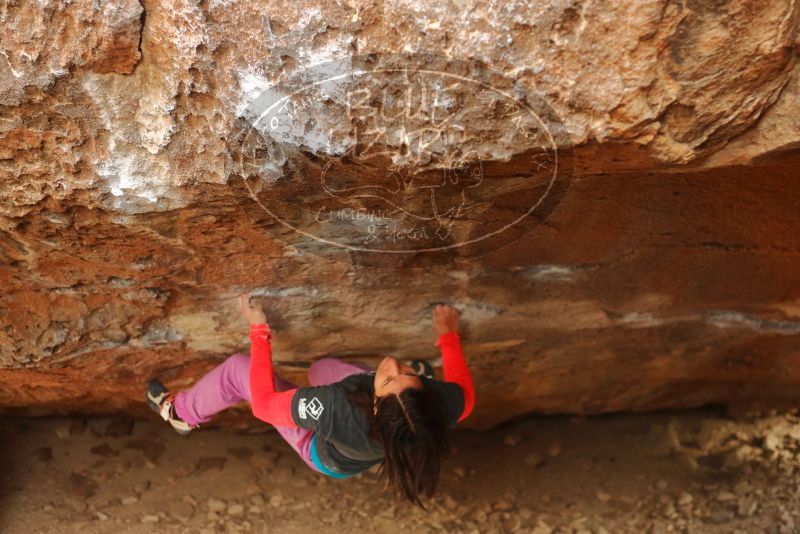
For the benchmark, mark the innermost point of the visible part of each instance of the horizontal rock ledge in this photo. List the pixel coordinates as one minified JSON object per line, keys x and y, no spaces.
{"x":639,"y":292}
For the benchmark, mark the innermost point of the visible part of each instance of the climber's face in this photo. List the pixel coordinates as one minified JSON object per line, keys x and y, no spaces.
{"x":392,"y":377}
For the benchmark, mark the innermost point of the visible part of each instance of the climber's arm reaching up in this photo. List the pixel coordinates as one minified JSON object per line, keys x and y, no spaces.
{"x":445,"y":322}
{"x":269,"y":405}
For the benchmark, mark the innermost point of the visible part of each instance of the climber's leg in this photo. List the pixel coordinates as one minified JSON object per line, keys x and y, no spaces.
{"x":229,"y":384}
{"x":330,"y":370}
{"x":222,"y":387}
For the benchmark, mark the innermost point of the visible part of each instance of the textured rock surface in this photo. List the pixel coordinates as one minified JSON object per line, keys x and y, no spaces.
{"x":125,"y":233}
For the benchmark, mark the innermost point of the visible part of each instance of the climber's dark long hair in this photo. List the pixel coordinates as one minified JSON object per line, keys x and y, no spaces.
{"x":413,"y":432}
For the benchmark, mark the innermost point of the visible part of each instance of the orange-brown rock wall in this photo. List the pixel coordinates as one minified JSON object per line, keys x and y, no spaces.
{"x":662,"y":271}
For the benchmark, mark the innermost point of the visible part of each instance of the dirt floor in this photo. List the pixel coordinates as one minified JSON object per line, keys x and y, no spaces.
{"x":669,"y":472}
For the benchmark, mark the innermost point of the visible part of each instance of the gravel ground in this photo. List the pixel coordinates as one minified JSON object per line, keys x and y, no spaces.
{"x":691,"y":472}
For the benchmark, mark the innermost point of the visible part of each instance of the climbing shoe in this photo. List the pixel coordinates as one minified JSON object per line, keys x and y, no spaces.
{"x":161,"y":401}
{"x":422,"y":368}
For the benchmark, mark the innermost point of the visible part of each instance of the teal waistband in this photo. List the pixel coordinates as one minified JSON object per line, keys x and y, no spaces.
{"x":316,"y":461}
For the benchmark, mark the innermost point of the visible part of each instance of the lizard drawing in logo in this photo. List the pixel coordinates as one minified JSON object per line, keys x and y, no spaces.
{"x":433,"y":196}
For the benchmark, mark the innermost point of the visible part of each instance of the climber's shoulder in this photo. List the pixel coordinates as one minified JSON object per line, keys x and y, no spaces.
{"x":323,"y":407}
{"x":451,"y":398}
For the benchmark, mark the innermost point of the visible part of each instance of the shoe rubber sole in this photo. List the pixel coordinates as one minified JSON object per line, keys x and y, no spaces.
{"x":154,"y":395}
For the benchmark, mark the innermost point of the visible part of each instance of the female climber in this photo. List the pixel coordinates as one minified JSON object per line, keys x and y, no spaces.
{"x":351,"y":418}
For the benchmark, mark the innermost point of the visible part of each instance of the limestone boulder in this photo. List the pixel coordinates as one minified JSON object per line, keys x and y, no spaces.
{"x":610,"y":190}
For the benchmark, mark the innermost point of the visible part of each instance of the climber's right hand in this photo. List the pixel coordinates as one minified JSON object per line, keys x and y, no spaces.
{"x":254,"y":313}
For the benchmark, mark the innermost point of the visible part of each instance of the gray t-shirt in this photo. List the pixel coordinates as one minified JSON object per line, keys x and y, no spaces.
{"x":343,"y":443}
